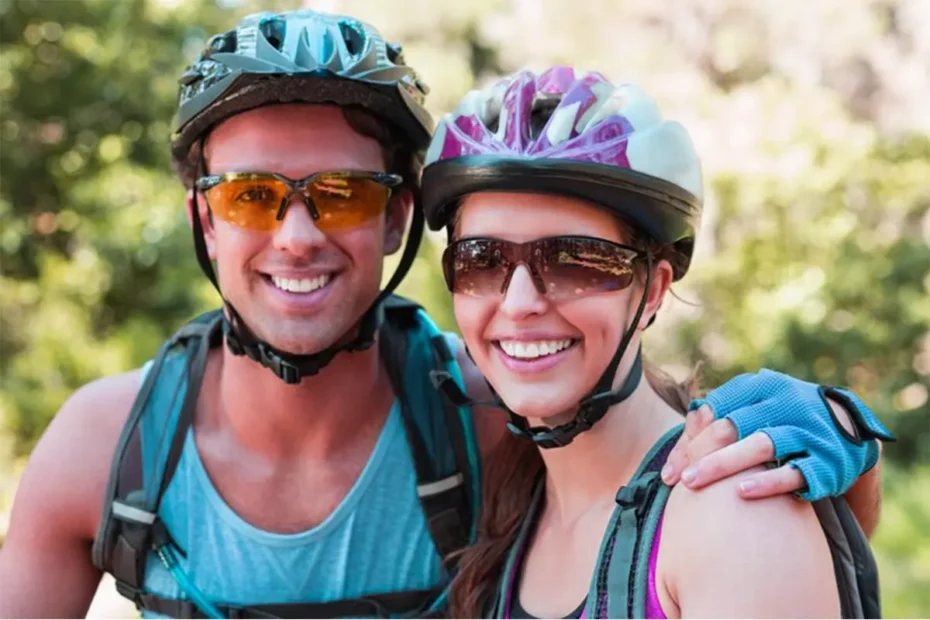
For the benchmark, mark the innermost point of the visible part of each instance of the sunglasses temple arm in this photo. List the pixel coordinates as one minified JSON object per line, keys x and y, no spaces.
{"x":200,"y":246}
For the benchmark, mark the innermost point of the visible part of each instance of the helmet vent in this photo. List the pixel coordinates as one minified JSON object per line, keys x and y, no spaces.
{"x":273,"y":31}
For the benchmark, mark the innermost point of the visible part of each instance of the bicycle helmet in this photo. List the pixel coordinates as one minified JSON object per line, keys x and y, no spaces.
{"x":578,"y":135}
{"x":298,"y":57}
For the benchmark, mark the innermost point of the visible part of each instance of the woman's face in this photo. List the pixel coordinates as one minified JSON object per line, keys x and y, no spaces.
{"x":544,"y":355}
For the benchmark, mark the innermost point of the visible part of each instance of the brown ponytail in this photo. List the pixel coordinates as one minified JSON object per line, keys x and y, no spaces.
{"x":510,"y":472}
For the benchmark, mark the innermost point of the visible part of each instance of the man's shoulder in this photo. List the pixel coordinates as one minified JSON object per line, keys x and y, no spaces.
{"x":72,"y":460}
{"x":103,"y":404}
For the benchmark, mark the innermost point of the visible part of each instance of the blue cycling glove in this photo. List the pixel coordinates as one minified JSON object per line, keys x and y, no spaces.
{"x":799,"y":421}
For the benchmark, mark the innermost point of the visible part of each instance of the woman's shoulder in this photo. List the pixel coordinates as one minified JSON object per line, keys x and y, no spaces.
{"x":721,"y":503}
{"x":715,"y":543}
{"x":716,"y":521}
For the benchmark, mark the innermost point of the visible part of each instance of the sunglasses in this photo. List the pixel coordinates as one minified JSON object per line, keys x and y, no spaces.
{"x":336,"y":199}
{"x":561,"y":267}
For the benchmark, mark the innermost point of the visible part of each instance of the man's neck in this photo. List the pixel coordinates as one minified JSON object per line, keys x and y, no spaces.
{"x":320,"y":415}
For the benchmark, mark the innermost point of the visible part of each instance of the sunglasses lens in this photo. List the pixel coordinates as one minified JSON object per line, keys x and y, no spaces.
{"x":475,"y":267}
{"x":344,"y":201}
{"x":572,"y":266}
{"x":247,"y":202}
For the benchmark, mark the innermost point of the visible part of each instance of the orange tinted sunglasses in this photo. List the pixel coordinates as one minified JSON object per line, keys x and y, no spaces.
{"x":336,"y":199}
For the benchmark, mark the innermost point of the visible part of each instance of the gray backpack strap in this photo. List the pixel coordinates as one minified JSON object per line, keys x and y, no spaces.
{"x":620,"y":582}
{"x":141,"y":468}
{"x":853,"y":563}
{"x":623,"y":559}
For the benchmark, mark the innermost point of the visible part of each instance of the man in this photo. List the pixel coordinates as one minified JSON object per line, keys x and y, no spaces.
{"x":307,"y":468}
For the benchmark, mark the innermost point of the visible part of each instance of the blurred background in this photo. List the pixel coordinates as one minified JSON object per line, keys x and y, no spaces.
{"x":812,"y":118}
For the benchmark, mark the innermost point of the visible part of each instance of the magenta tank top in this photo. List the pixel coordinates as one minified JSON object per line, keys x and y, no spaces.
{"x":653,"y":606}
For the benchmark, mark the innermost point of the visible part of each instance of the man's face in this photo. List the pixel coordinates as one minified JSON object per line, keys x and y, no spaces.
{"x":298,"y":288}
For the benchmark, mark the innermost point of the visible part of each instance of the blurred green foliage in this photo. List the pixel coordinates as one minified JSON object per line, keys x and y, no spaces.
{"x":814,"y":258}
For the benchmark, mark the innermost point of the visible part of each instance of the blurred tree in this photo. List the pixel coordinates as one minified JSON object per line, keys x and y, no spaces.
{"x":95,"y":248}
{"x":827,"y":277}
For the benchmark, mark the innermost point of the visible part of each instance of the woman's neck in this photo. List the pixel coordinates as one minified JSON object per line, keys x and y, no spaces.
{"x":589,"y":471}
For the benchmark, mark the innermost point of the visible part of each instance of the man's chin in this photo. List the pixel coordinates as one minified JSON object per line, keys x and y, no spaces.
{"x":296,"y":339}
{"x":309,"y":345}
{"x":303,"y":336}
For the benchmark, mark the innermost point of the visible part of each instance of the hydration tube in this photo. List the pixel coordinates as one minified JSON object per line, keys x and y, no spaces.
{"x":167,"y":557}
{"x":439,"y":603}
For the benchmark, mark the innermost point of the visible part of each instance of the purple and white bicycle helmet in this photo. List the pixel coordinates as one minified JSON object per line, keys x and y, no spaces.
{"x":577,"y":135}
{"x":602,"y":142}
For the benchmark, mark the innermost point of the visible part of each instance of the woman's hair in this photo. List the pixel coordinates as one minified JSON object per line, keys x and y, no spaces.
{"x":513,"y":468}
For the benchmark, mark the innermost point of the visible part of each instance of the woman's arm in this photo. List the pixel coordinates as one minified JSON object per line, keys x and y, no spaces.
{"x":721,"y":556}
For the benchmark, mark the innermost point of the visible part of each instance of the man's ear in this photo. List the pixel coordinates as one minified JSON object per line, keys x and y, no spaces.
{"x":396,"y":216}
{"x":662,"y":276}
{"x":206,"y":221}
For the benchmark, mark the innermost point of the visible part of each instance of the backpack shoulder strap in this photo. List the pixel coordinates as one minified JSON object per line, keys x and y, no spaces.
{"x":148,"y":451}
{"x":441,"y":436}
{"x":853,"y":563}
{"x":620,"y":582}
{"x":412,"y":604}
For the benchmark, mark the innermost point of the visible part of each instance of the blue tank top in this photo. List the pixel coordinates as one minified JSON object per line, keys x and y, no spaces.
{"x":375,"y":541}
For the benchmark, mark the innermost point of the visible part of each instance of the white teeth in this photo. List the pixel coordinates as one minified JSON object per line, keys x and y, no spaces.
{"x":532,"y":350}
{"x":301,"y":286}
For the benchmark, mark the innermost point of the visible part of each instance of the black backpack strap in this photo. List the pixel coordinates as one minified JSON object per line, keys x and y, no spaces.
{"x":433,"y":427}
{"x":136,"y":484}
{"x":853,"y":563}
{"x":390,"y":605}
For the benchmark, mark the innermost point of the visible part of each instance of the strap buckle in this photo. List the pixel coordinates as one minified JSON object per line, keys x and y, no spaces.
{"x":132,"y":593}
{"x":638,"y":495}
{"x":288,"y":373}
{"x":132,"y":513}
{"x":429,"y":489}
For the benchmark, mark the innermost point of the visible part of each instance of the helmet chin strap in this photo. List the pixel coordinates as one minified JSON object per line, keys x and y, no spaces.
{"x":590,"y":410}
{"x":293,"y":367}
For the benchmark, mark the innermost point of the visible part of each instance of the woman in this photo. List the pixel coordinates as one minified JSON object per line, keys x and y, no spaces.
{"x":572,"y":207}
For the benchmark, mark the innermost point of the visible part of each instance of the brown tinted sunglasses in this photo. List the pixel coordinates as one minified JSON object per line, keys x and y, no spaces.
{"x":336,"y":199}
{"x":561,"y":267}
